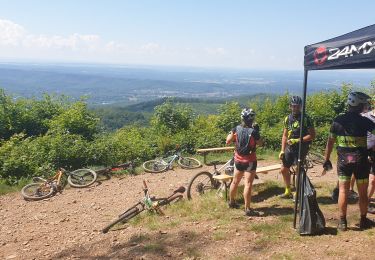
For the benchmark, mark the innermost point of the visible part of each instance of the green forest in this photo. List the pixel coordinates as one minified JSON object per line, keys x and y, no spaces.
{"x":38,"y":135}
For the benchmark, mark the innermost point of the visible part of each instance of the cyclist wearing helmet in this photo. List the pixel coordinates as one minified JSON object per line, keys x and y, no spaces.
{"x":291,"y":138}
{"x":349,"y":132}
{"x":246,"y":136}
{"x":370,"y":114}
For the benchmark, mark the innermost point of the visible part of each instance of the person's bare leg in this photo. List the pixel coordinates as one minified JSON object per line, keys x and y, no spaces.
{"x":363,"y":198}
{"x":286,"y":176}
{"x":343,"y":197}
{"x":234,"y":185}
{"x":371,"y":187}
{"x":352,"y":182}
{"x":249,"y":178}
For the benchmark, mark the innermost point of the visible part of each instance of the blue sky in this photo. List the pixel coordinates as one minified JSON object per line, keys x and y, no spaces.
{"x":210,"y":33}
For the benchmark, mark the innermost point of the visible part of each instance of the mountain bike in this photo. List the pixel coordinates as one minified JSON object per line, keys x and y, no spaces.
{"x":149,"y":203}
{"x":312,"y":158}
{"x":44,"y":188}
{"x":163,"y":164}
{"x":203,"y":182}
{"x":129,"y":166}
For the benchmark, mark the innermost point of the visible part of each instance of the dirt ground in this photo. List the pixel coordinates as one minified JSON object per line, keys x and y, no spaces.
{"x":68,"y":226}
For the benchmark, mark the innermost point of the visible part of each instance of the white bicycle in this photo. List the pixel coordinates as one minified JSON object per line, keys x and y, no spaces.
{"x":204,"y":182}
{"x":163,"y":164}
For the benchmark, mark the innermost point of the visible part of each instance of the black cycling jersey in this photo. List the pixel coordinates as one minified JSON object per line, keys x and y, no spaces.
{"x":292,"y":124}
{"x":350,"y":131}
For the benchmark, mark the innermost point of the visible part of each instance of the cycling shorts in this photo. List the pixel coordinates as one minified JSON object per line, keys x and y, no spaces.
{"x":291,"y":156}
{"x":246,"y":167}
{"x":353,"y":163}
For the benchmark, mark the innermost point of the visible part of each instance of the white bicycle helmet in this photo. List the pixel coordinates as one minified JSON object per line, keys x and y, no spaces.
{"x":357,"y":98}
{"x":296,"y":100}
{"x":248,"y":113}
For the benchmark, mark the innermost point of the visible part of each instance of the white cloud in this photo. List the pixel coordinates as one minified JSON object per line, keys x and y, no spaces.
{"x":73,"y":42}
{"x":115,"y":47}
{"x":10,"y":33}
{"x":18,"y":43}
{"x":150,"y":47}
{"x":215,"y":51}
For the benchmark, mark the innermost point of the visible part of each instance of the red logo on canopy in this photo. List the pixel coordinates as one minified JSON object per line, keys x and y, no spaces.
{"x":320,"y":55}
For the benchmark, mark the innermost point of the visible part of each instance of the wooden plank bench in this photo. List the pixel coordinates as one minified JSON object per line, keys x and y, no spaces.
{"x":205,"y":151}
{"x":225,"y":179}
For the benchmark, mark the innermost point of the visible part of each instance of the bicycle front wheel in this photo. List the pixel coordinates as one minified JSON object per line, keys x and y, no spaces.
{"x":154,"y":166}
{"x":123,"y":218}
{"x":189,"y":163}
{"x":82,"y":178}
{"x":37,"y":191}
{"x":200,"y":184}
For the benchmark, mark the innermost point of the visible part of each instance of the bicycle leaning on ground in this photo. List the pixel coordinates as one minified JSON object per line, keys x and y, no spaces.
{"x":312,"y":158}
{"x":44,"y":188}
{"x":149,"y":203}
{"x":204,"y":181}
{"x":163,"y":164}
{"x":129,"y":166}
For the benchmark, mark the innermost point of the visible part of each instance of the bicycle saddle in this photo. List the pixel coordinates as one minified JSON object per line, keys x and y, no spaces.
{"x":181,"y":189}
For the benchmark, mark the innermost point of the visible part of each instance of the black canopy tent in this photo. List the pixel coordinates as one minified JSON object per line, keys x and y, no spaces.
{"x":354,"y":50}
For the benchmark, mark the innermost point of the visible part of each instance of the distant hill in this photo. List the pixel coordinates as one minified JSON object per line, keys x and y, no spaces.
{"x":126,"y":85}
{"x":115,"y":116}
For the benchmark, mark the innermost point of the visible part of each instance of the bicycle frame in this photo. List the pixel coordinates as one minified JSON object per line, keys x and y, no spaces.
{"x":168,"y":161}
{"x":218,"y":171}
{"x":53,"y":181}
{"x":148,"y":202}
{"x":123,"y":166}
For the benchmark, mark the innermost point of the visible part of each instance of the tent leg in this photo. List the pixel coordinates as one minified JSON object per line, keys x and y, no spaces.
{"x":300,"y":185}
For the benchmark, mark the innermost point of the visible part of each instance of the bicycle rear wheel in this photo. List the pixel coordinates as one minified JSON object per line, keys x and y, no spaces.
{"x":37,"y":191}
{"x":308,"y":164}
{"x":154,"y":166}
{"x":316,"y":158}
{"x":189,"y":163}
{"x":82,"y":178}
{"x":123,"y":218}
{"x":200,"y":184}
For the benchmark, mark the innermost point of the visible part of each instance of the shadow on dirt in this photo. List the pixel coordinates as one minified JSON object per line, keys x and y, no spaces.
{"x":187,"y":244}
{"x":275,"y":210}
{"x":267,"y":193}
{"x":327,"y":200}
{"x":329,"y":231}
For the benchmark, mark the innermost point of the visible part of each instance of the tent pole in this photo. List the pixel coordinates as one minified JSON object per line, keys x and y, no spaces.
{"x":299,"y":186}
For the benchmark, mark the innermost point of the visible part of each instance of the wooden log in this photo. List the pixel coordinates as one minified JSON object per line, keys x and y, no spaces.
{"x":205,"y":150}
{"x":266,"y":169}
